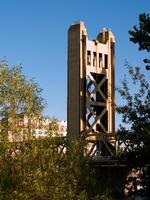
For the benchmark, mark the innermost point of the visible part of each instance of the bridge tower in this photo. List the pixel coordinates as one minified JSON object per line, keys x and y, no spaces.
{"x":91,"y":107}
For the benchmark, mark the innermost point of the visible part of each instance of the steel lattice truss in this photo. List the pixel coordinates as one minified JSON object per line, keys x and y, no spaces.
{"x":99,"y":142}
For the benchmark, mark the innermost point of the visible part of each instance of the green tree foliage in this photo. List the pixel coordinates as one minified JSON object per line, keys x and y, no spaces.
{"x":38,"y":169}
{"x":18,"y":95}
{"x":141,"y":35}
{"x":135,"y":130}
{"x":19,"y":98}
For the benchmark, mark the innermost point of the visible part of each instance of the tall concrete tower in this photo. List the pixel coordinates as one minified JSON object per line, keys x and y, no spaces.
{"x":91,"y":112}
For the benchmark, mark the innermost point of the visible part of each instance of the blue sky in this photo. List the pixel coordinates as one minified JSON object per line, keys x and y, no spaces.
{"x":34,"y":33}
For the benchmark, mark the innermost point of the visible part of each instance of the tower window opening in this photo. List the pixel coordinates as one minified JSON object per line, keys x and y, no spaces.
{"x":100,"y":60}
{"x":94,"y":59}
{"x":106,"y":61}
{"x":89,"y":57}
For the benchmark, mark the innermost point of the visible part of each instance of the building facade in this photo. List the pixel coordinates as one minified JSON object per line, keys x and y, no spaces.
{"x":23,"y":128}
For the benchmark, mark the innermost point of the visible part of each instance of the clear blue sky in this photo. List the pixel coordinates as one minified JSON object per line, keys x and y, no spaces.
{"x":34,"y":33}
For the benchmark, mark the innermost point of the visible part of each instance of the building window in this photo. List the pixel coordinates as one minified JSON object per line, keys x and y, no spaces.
{"x":106,"y":61}
{"x":100,"y":60}
{"x":94,"y":59}
{"x":89,"y":57}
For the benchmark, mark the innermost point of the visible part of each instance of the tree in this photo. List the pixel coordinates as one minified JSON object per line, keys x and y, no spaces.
{"x":141,"y":35}
{"x":20,"y":101}
{"x":39,"y":170}
{"x":135,"y":130}
{"x":19,"y":98}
